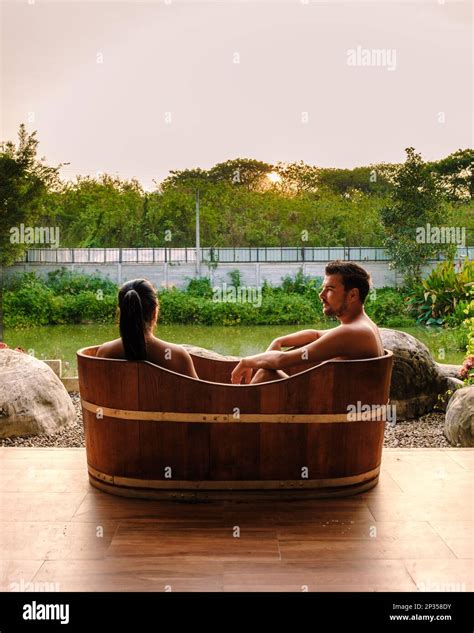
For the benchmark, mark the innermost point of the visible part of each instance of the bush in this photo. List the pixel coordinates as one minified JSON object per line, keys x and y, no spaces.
{"x":27,"y":302}
{"x":67,"y":282}
{"x":199,"y":287}
{"x":276,"y":309}
{"x":235,"y":278}
{"x":300,"y":284}
{"x":388,"y":308}
{"x":446,"y":296}
{"x":63,"y":297}
{"x":66,"y":297}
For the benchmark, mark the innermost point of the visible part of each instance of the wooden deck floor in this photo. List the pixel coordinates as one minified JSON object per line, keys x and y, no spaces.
{"x":414,"y":531}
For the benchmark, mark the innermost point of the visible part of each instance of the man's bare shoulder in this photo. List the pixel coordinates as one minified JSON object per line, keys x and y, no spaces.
{"x":358,"y":339}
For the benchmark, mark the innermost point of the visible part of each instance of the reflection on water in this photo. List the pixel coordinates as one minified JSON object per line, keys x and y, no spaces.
{"x":62,"y":341}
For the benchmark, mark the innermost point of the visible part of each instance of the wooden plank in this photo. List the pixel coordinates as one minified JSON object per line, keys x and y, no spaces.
{"x":458,"y":536}
{"x":365,"y":549}
{"x":150,"y":540}
{"x":33,"y":478}
{"x":419,"y":507}
{"x":447,"y":575}
{"x":97,"y":507}
{"x":16,"y":575}
{"x":153,"y":574}
{"x":40,"y":506}
{"x":44,"y":540}
{"x":311,"y":576}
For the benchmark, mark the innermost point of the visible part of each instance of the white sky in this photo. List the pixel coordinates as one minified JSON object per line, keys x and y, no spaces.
{"x":178,"y":56}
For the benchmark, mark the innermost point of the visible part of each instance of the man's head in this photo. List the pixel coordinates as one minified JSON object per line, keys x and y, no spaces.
{"x":345,"y":287}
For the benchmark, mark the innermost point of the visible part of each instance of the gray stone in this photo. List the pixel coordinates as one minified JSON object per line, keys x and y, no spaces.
{"x":33,"y":401}
{"x":459,"y":421}
{"x":450,"y":371}
{"x":207,"y":353}
{"x":416,"y":377}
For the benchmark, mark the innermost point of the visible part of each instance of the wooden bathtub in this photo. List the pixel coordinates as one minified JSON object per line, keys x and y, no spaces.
{"x":151,"y":432}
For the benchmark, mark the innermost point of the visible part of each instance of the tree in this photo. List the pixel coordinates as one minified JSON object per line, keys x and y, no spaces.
{"x":24,"y":183}
{"x":416,"y":202}
{"x":104,"y":211}
{"x":455,"y":174}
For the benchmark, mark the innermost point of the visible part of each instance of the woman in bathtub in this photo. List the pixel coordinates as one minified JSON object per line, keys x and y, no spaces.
{"x":139,"y":309}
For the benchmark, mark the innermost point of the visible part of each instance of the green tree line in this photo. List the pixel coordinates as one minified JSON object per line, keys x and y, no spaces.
{"x":239,"y":206}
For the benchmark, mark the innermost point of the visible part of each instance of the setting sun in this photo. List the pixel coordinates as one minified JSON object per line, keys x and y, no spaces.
{"x":274,"y":177}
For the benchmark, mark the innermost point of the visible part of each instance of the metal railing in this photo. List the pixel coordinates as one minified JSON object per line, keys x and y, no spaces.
{"x":276,"y":254}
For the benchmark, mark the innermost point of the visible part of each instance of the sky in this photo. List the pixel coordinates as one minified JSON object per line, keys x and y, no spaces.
{"x":141,"y":88}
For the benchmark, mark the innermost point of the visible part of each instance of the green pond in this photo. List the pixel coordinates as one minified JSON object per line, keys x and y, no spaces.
{"x":62,"y":341}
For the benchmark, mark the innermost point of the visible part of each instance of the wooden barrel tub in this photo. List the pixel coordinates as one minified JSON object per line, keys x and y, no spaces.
{"x":151,"y":432}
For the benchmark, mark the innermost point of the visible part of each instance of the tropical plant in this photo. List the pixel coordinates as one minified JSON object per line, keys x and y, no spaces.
{"x":445,"y":296}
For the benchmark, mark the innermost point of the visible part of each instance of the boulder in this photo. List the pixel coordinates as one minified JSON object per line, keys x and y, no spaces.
{"x":416,"y":378}
{"x":459,"y":421}
{"x":33,"y":400}
{"x":449,"y":371}
{"x":207,"y":353}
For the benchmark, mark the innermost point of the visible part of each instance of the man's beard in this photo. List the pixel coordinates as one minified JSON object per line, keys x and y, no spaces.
{"x":330,"y":312}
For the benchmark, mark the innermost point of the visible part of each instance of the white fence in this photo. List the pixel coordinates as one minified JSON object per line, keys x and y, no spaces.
{"x":226,"y":255}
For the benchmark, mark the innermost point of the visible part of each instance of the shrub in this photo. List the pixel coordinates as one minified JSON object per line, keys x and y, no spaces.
{"x":27,"y":302}
{"x":446,"y":296}
{"x":199,"y":287}
{"x":388,"y":308}
{"x":235,"y":278}
{"x":61,"y":298}
{"x":300,"y":284}
{"x":67,"y":282}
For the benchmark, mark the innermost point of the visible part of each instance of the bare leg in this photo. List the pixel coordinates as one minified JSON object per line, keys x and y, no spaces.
{"x":266,"y":375}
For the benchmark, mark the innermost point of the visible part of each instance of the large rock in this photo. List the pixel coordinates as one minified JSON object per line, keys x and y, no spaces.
{"x":459,"y":422}
{"x":33,"y":400}
{"x":417,"y":379}
{"x":207,"y":353}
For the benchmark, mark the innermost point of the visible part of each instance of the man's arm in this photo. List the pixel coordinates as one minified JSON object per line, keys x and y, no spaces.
{"x":303,"y":337}
{"x":336,"y":342}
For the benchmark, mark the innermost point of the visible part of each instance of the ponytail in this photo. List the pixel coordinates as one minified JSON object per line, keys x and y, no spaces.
{"x":132,"y":325}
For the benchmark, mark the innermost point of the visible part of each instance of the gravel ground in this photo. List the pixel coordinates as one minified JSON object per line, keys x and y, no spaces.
{"x":425,"y":432}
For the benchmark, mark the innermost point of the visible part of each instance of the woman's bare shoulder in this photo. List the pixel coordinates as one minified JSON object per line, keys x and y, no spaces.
{"x":160,"y":351}
{"x":171,"y":356}
{"x":111,"y":349}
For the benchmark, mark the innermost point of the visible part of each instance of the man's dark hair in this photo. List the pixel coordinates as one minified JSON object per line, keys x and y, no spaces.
{"x":353,"y":276}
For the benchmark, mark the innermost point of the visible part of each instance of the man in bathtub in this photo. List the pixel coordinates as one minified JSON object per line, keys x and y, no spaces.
{"x":345,"y":288}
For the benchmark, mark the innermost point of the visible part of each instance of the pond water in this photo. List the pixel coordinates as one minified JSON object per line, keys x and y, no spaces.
{"x":62,"y":341}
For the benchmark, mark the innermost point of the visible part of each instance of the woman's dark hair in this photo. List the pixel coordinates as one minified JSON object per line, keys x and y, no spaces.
{"x":137,"y":302}
{"x":353,"y":276}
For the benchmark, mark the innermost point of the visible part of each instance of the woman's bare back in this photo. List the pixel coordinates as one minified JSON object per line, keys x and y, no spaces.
{"x":167,"y":355}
